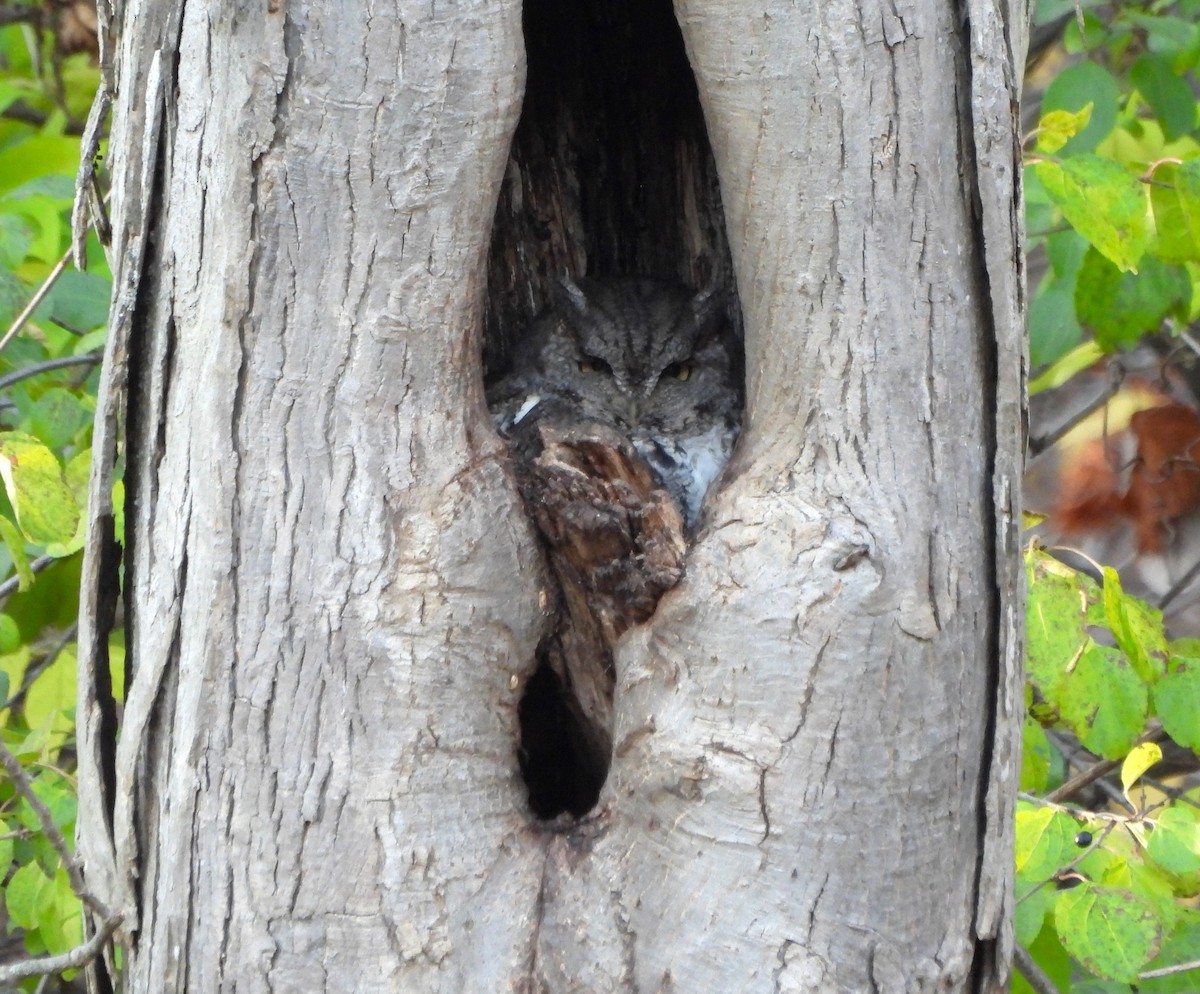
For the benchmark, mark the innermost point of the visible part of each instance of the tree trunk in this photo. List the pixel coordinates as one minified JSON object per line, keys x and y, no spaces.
{"x":334,"y":599}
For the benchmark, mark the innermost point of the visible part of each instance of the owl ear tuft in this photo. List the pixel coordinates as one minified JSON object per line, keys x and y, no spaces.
{"x":707,"y":306}
{"x":569,"y":299}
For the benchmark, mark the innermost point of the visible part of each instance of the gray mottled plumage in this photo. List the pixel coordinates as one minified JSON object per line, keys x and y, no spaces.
{"x":647,"y":358}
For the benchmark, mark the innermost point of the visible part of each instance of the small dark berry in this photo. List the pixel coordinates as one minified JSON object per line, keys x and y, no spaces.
{"x":1083,"y":840}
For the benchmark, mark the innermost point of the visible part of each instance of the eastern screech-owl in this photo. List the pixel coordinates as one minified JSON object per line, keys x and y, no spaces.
{"x":647,"y":358}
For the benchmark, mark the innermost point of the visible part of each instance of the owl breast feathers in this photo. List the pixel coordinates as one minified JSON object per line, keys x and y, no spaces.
{"x":646,"y":358}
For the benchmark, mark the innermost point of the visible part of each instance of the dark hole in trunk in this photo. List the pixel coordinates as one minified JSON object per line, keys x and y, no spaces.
{"x":610,"y":174}
{"x":561,"y":772}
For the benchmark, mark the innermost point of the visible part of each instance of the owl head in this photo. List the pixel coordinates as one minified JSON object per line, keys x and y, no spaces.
{"x":635,"y":352}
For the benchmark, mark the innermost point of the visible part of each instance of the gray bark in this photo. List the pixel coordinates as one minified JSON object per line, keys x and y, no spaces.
{"x":333,"y":598}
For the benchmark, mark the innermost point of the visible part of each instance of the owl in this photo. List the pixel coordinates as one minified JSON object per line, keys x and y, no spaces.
{"x":646,"y":358}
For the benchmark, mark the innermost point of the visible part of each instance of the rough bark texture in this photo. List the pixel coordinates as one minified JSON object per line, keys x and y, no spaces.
{"x":333,"y":599}
{"x":316,"y":777}
{"x":805,"y":733}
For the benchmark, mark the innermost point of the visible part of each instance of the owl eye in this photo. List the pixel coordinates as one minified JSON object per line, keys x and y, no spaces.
{"x":678,"y":370}
{"x":594,"y":364}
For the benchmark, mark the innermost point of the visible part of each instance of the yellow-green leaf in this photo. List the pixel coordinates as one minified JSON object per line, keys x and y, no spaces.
{"x":1177,"y":702}
{"x":51,"y":697}
{"x":1175,"y":199}
{"x":46,"y":509}
{"x":1140,"y":759}
{"x":1044,"y":842}
{"x":1138,"y":628}
{"x":27,"y":895}
{"x":1103,"y":702}
{"x":15,"y":543}
{"x":1111,"y":932}
{"x":1175,"y":842}
{"x":1101,"y":201}
{"x":1059,"y":126}
{"x":10,"y":636}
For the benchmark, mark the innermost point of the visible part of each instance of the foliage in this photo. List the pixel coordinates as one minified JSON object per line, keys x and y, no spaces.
{"x":1106,"y":889}
{"x":1106,"y":892}
{"x":48,"y":376}
{"x":1113,"y":184}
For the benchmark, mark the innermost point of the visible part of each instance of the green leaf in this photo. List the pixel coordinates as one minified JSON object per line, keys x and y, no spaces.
{"x":1165,"y":34}
{"x":116,"y":662}
{"x":1077,"y":87}
{"x":1053,"y":327}
{"x":1082,"y":357}
{"x":1137,"y":627}
{"x":13,"y":666}
{"x":1175,"y":200}
{"x":1183,"y":946}
{"x":60,"y":928}
{"x":118,"y":503}
{"x":13,"y":296}
{"x":58,"y":416}
{"x":1150,"y":886}
{"x":10,"y":641}
{"x":1122,"y":307}
{"x":16,"y":236}
{"x":37,"y":157}
{"x":1103,"y":702}
{"x":1175,"y":842}
{"x":1140,"y":759}
{"x":49,"y":219}
{"x":80,"y":300}
{"x":90,"y":342}
{"x":1177,"y":702}
{"x":1045,"y":841}
{"x":46,"y":508}
{"x":1049,"y":954}
{"x":1108,"y":931}
{"x":15,"y":544}
{"x":1101,"y":201}
{"x":1035,"y":756}
{"x":28,"y":893}
{"x":6,"y":846}
{"x":1032,"y":908}
{"x":50,"y":700}
{"x":1168,"y":95}
{"x":1056,"y":619}
{"x":1058,"y":127}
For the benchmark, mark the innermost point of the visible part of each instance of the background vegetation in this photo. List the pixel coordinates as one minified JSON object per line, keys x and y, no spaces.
{"x":1108,"y":838}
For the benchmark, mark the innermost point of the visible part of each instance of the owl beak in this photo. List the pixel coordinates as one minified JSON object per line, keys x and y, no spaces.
{"x":633,"y":410}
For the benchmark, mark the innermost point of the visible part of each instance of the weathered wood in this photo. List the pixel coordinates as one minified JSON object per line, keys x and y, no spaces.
{"x":335,"y":598}
{"x":615,"y":543}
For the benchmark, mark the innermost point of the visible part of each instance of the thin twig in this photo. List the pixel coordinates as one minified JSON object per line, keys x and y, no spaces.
{"x":38,"y":296}
{"x":13,"y":582}
{"x":89,"y":203}
{"x":35,"y":670}
{"x":1033,"y":974}
{"x":1166,"y":971}
{"x":75,"y":958}
{"x":1116,"y":377}
{"x":30,"y":13}
{"x":13,"y":767}
{"x":1186,"y":337}
{"x":1096,"y":771}
{"x":1180,"y":585}
{"x":93,"y":358}
{"x":25,"y":114}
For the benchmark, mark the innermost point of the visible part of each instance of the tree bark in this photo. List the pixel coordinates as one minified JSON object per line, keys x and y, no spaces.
{"x":333,"y":598}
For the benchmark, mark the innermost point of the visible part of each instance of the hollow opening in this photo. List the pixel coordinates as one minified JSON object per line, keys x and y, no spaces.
{"x":560,"y":772}
{"x":610,"y":175}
